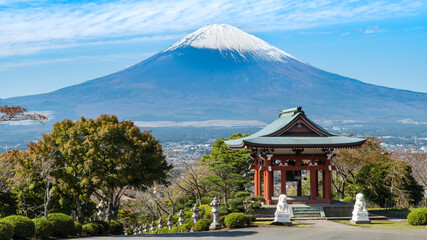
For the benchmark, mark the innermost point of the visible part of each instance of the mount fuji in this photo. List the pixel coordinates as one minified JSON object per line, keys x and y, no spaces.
{"x":222,"y":72}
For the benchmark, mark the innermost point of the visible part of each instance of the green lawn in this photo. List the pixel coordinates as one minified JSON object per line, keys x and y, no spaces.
{"x":385,"y":224}
{"x":268,"y":224}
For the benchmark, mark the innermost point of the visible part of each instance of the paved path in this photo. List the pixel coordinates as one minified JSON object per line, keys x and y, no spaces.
{"x":319,"y":231}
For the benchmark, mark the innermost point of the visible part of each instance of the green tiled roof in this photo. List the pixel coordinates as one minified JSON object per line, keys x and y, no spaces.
{"x":271,"y":136}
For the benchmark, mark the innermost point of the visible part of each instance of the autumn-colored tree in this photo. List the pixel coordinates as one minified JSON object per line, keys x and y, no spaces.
{"x":349,"y":161}
{"x":17,"y":113}
{"x":418,"y":160}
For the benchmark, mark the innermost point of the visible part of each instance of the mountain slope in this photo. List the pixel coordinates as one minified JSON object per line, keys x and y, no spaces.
{"x":221,"y":72}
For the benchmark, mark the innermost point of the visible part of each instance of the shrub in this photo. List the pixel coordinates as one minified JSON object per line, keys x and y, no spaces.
{"x":6,"y":231}
{"x":163,"y":230}
{"x":236,"y":205}
{"x":22,"y":226}
{"x":235,"y":220}
{"x":104,"y":226}
{"x":205,"y":209}
{"x":349,"y":199}
{"x":202,"y":225}
{"x":185,"y":227}
{"x":90,"y":229}
{"x":116,"y":227}
{"x":43,"y":227}
{"x":418,"y":217}
{"x":223,"y":210}
{"x":174,"y":230}
{"x":250,"y":219}
{"x":63,"y":225}
{"x":78,"y":228}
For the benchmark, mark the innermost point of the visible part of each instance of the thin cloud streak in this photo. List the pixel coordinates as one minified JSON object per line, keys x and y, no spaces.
{"x":45,"y":25}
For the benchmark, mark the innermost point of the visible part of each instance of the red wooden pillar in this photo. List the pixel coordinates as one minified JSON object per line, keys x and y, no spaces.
{"x":268,"y":185}
{"x":328,"y":182}
{"x":283,"y":182}
{"x":257,"y":182}
{"x":313,"y":184}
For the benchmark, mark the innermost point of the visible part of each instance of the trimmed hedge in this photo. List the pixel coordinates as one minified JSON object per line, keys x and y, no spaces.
{"x":22,"y":226}
{"x":63,"y":225}
{"x":104,"y":226}
{"x":44,"y":228}
{"x":90,"y":229}
{"x":116,"y":227}
{"x":6,"y":231}
{"x":78,"y":228}
{"x":418,"y":217}
{"x":235,"y":220}
{"x":349,"y":199}
{"x":202,"y":225}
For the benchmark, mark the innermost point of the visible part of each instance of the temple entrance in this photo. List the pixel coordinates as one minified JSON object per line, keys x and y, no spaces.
{"x":299,"y":152}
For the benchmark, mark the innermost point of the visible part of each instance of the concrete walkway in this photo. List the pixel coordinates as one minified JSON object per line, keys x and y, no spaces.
{"x":319,"y":231}
{"x":324,"y":224}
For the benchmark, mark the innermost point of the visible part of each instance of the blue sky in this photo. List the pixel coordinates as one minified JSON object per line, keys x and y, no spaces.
{"x":46,"y":45}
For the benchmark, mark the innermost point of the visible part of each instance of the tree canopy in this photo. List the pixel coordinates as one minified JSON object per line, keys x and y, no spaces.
{"x":230,"y":168}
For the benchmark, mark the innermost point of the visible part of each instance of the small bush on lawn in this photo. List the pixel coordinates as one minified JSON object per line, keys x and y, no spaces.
{"x":78,"y":228}
{"x":202,"y":225}
{"x":418,"y":217}
{"x":44,"y":228}
{"x":63,"y":225}
{"x":105,"y":227}
{"x":22,"y":226}
{"x":349,"y":199}
{"x":235,"y":220}
{"x":116,"y":228}
{"x":174,"y":230}
{"x":90,"y":229}
{"x":6,"y":231}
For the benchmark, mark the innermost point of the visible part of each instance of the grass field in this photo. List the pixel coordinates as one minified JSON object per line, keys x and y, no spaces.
{"x":385,"y":224}
{"x":268,"y":224}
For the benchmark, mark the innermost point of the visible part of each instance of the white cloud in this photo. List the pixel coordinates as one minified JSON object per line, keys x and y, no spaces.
{"x":32,"y":26}
{"x":410,"y":121}
{"x":207,"y":123}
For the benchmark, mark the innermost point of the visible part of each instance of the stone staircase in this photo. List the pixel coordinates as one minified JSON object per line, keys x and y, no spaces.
{"x":305,"y":212}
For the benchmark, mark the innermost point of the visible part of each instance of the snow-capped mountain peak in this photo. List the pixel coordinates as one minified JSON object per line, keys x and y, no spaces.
{"x":224,"y":37}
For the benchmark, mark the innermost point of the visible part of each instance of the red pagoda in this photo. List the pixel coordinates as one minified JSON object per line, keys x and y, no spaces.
{"x":293,"y":145}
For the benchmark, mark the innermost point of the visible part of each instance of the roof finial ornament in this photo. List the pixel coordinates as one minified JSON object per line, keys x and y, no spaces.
{"x":299,"y":110}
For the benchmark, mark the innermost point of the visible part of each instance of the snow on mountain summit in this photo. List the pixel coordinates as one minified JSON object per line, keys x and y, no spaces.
{"x":224,"y":37}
